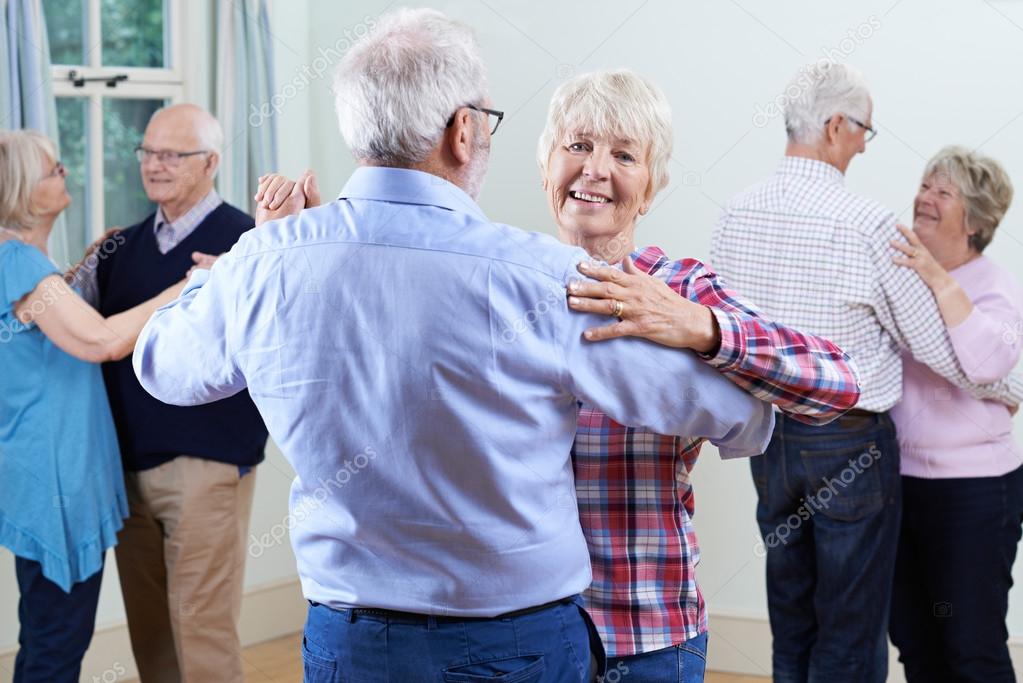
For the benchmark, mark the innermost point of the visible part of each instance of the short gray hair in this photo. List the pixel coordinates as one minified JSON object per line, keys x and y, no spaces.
{"x":616,"y":104}
{"x":23,"y":156}
{"x":983,"y":184}
{"x":817,"y":93}
{"x":209,"y":130}
{"x":396,"y":88}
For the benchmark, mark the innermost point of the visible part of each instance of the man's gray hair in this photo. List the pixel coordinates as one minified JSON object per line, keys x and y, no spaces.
{"x":817,"y":93}
{"x":397,"y":87}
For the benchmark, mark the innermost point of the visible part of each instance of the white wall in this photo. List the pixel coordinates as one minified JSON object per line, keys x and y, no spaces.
{"x":946,"y":71}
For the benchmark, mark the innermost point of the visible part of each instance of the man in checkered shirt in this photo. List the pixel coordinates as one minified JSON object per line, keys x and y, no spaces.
{"x":815,"y":256}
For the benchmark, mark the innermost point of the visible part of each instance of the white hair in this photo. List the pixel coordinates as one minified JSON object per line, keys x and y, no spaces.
{"x":817,"y":93}
{"x":616,"y":104}
{"x":207,"y":128}
{"x":396,"y":88}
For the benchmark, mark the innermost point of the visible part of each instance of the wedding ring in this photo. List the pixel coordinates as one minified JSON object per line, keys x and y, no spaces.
{"x":618,"y":309}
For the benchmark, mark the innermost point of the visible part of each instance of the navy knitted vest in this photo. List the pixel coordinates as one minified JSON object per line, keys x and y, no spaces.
{"x":152,"y":432}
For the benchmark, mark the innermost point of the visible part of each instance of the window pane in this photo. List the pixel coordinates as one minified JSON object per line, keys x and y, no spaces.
{"x":124,"y":122}
{"x":65,"y":29}
{"x":73,"y":123}
{"x":133,"y":33}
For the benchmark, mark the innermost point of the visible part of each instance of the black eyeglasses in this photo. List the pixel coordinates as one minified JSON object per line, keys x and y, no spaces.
{"x":870,"y":134}
{"x":488,"y":112}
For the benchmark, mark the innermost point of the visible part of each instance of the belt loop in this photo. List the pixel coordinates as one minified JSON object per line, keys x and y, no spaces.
{"x":431,"y":622}
{"x":349,"y":615}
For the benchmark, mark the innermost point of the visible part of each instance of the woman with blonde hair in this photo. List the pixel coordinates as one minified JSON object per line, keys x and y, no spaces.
{"x":604,"y":156}
{"x":62,"y":498}
{"x":962,"y":480}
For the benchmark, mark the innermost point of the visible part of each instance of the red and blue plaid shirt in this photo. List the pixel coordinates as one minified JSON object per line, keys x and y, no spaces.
{"x":635,"y":500}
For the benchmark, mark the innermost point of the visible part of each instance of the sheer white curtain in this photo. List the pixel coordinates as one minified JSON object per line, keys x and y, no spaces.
{"x":26,"y":86}
{"x":244,"y":89}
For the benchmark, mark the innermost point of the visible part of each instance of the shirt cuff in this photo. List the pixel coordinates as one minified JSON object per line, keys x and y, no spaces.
{"x":733,"y":348}
{"x":198,"y":279}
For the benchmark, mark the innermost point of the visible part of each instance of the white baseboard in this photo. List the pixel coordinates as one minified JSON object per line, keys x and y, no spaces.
{"x":742,"y":644}
{"x":268,"y":611}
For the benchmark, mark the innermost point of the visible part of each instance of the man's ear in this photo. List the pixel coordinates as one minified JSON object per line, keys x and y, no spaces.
{"x":459,"y":136}
{"x":212,"y":163}
{"x":833,"y":126}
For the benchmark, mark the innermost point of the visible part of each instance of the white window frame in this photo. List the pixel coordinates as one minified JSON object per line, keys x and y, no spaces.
{"x":143,"y":83}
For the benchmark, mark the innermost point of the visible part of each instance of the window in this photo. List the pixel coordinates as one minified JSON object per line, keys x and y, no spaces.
{"x":115,"y":62}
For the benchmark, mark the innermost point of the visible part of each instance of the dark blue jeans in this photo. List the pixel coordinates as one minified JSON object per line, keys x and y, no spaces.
{"x":682,"y":663}
{"x":953,"y":575}
{"x":828,"y":511}
{"x":551,"y":645}
{"x":56,"y":627}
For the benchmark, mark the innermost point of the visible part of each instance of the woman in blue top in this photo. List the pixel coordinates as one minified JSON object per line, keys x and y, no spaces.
{"x":62,"y":495}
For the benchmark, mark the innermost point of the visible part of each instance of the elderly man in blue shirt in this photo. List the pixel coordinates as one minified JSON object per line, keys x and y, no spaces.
{"x":419,"y":368}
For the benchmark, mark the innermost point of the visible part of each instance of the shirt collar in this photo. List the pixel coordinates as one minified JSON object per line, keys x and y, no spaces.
{"x":810,"y":168}
{"x":408,"y":186}
{"x":193,"y":216}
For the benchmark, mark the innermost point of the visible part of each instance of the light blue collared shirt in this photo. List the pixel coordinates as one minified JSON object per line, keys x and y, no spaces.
{"x":420,"y":369}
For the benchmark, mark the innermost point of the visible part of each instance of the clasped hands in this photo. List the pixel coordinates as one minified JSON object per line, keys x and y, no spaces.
{"x":276,"y":197}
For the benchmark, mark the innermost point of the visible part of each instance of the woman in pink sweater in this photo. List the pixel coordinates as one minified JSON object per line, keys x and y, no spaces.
{"x":961,"y":476}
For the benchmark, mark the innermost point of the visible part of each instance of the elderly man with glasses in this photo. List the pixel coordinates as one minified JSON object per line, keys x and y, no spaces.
{"x":188,"y":471}
{"x":815,"y":256}
{"x":421,"y":370}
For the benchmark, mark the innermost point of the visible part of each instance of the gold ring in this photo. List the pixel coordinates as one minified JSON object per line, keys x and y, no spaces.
{"x":618,"y":309}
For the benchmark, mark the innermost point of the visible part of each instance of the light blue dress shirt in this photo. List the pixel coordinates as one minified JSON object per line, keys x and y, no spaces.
{"x":420,"y":369}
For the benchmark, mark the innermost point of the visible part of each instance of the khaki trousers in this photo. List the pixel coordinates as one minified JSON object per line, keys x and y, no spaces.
{"x":181,"y":560}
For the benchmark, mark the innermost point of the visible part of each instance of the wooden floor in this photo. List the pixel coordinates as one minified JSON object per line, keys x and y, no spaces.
{"x":280,"y":661}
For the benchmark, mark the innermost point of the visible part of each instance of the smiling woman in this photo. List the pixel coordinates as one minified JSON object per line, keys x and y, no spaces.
{"x":62,"y":497}
{"x":604,"y":156}
{"x":962,"y":480}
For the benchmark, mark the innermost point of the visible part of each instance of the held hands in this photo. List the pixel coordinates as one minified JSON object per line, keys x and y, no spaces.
{"x":645,"y":307}
{"x":278,"y":196}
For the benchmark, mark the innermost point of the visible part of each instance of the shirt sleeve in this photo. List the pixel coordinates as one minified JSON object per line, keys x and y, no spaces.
{"x":22,"y":268}
{"x":184,"y":355}
{"x":987,"y":343}
{"x":807,"y":376}
{"x":664,"y":390}
{"x":907,"y":309}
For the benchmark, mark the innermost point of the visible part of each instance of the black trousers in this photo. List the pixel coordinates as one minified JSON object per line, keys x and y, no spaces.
{"x":953,"y":573}
{"x":56,"y":627}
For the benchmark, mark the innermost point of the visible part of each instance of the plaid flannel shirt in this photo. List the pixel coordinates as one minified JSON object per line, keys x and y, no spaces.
{"x":635,"y":500}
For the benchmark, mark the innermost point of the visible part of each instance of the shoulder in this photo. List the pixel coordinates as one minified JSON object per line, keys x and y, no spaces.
{"x":988,"y":276}
{"x":868,"y":216}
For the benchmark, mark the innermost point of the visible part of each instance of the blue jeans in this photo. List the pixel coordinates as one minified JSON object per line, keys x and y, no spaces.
{"x":682,"y":663}
{"x":55,"y":627}
{"x":953,"y":575}
{"x":551,"y":645}
{"x":828,"y":510}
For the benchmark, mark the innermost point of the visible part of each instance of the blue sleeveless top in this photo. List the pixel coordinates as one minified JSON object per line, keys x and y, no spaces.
{"x":62,"y":497}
